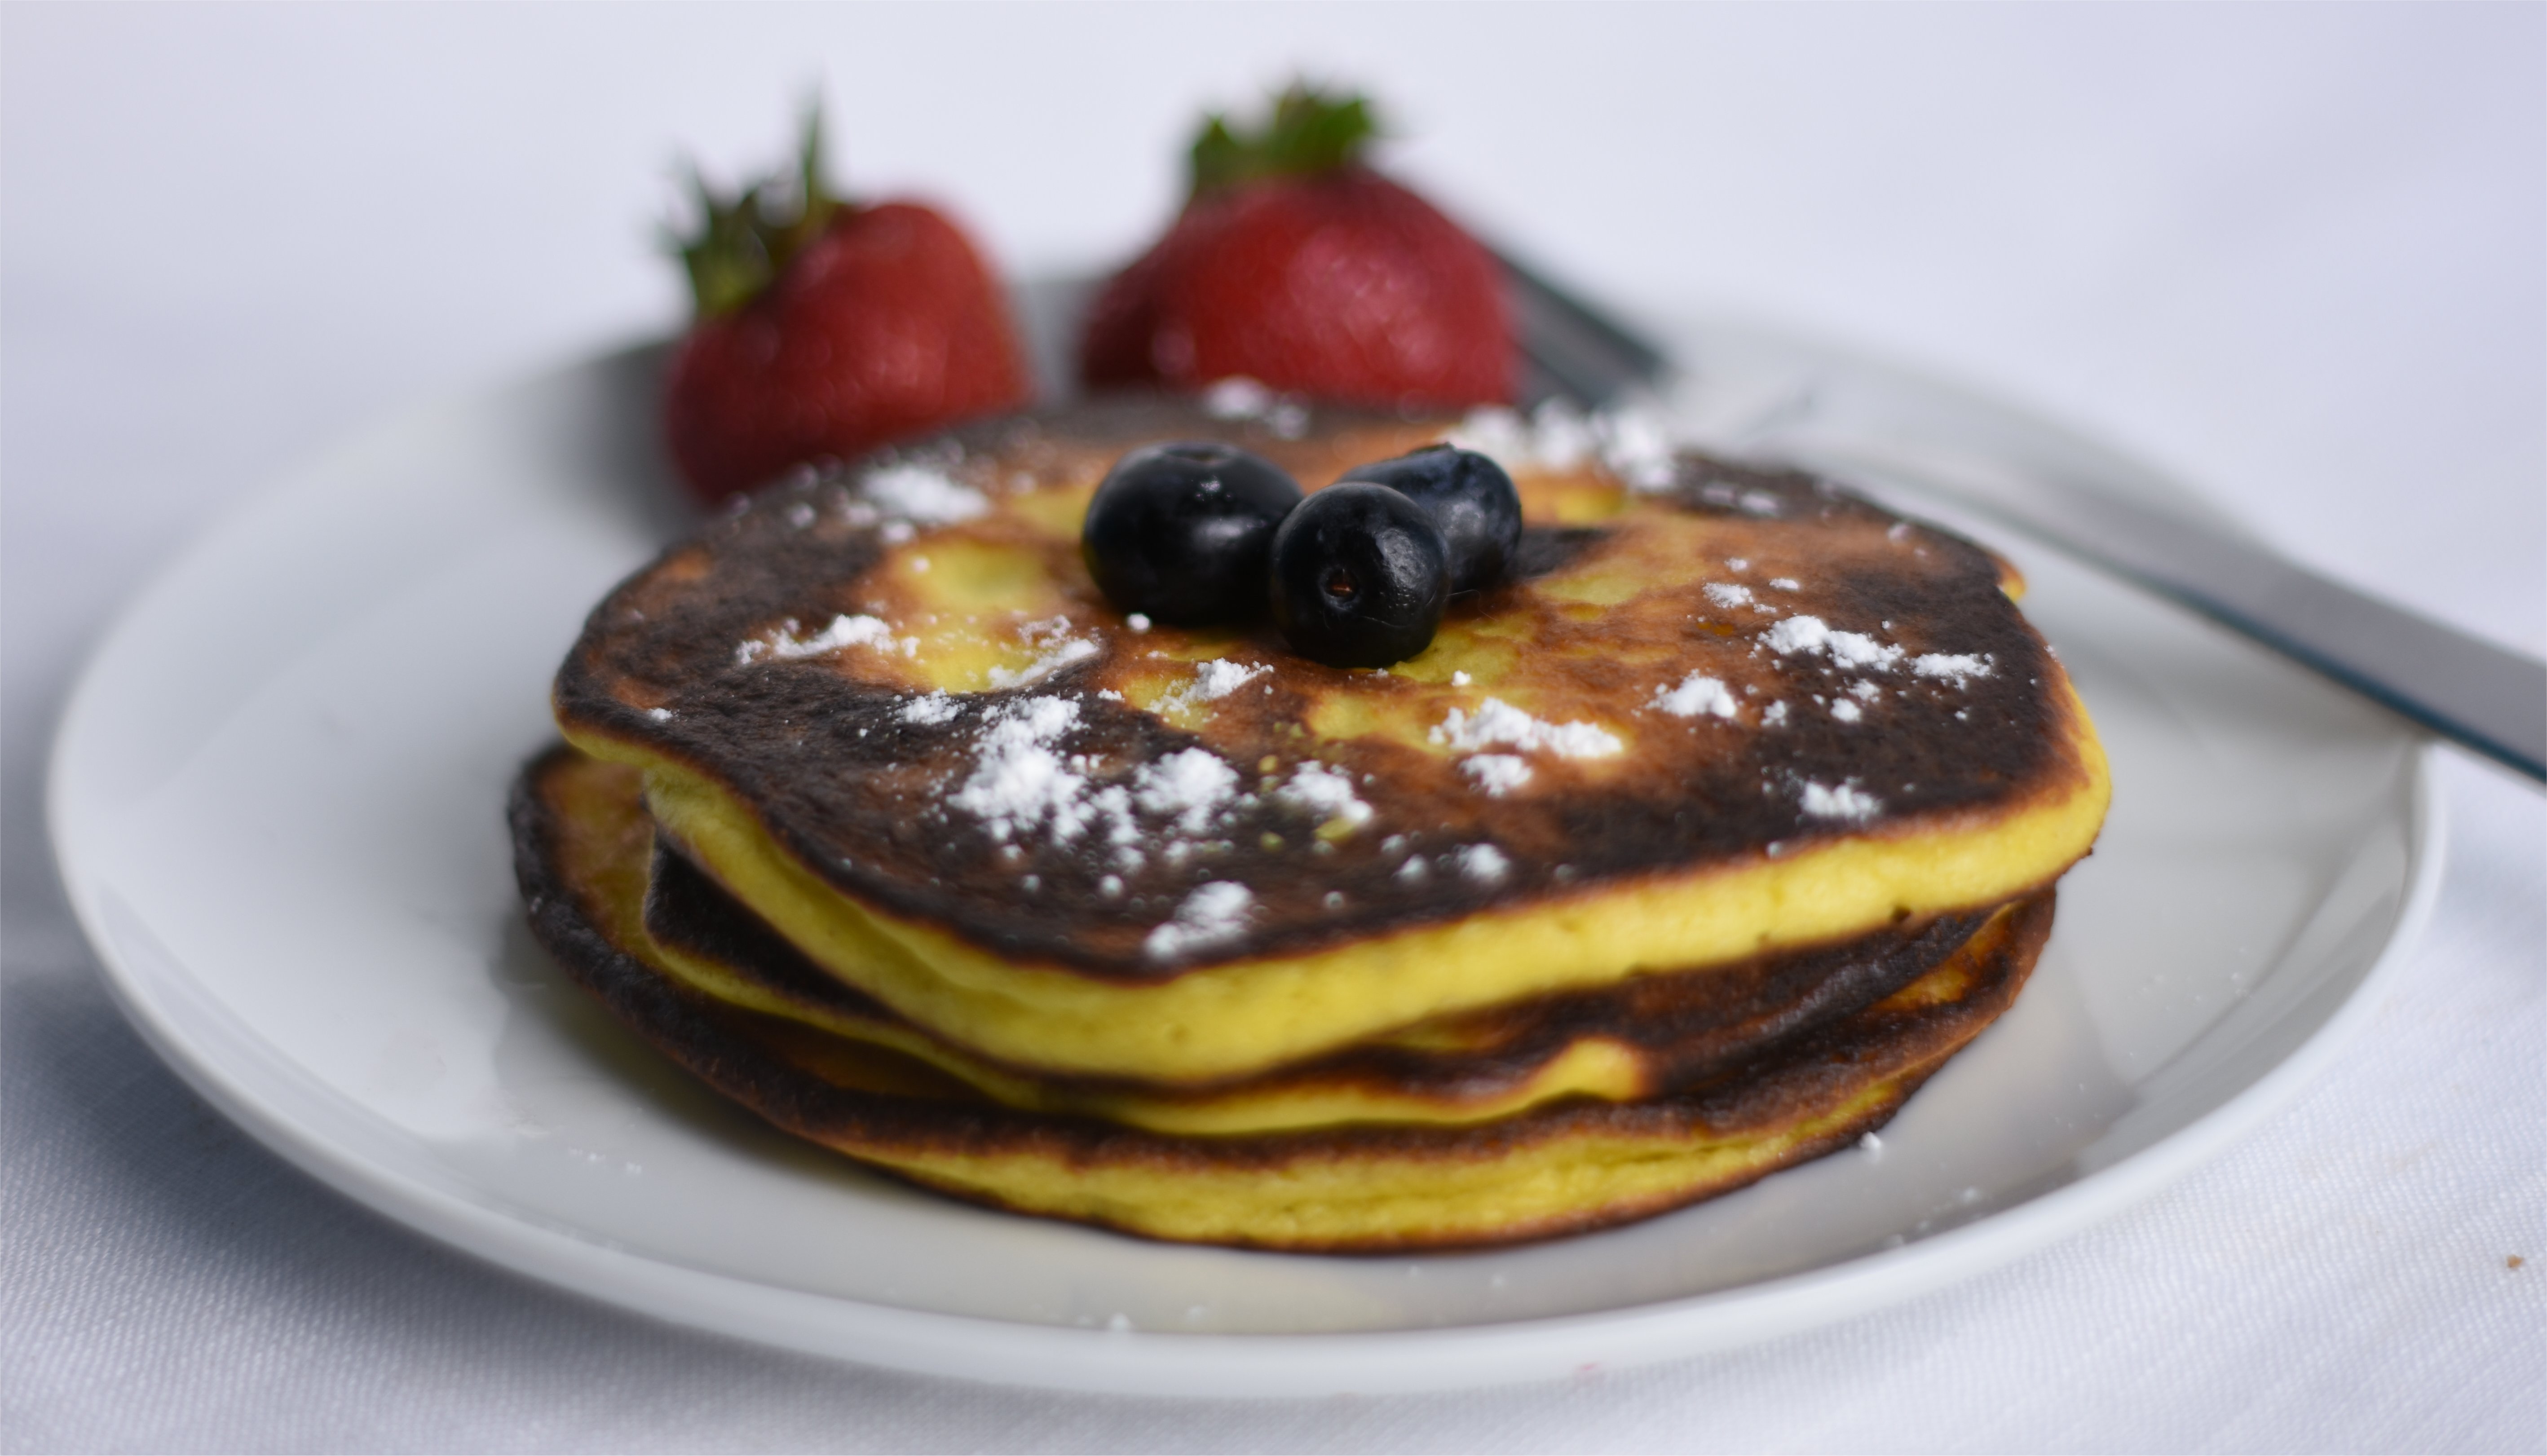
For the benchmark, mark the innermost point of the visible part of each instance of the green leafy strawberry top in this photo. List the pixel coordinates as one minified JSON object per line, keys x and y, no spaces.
{"x":1310,"y":131}
{"x":744,"y":242}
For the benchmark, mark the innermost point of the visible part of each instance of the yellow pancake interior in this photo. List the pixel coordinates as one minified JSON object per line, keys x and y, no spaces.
{"x":1639,"y":1042}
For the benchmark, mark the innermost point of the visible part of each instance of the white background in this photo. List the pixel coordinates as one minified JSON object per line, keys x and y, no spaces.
{"x":2296,"y":254}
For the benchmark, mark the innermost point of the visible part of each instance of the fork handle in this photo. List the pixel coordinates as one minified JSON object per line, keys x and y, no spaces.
{"x":2484,"y":696}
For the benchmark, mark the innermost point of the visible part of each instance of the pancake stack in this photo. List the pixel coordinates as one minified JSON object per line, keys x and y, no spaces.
{"x":1681,"y":856}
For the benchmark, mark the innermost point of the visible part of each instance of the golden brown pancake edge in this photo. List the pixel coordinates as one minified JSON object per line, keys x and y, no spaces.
{"x":1841,"y":1081}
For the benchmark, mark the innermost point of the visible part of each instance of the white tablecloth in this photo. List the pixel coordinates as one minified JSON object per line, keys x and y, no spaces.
{"x":2296,"y":254}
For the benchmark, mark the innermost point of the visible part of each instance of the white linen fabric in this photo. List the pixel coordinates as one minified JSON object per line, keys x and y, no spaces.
{"x":2292,"y":253}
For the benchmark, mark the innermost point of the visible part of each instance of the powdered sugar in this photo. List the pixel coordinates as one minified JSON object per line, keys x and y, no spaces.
{"x":1498,"y":774}
{"x":1729,"y":595}
{"x":1857,"y":650}
{"x":921,"y":494}
{"x":782,"y":643}
{"x":1636,"y":449}
{"x":1077,"y":650}
{"x":1238,"y":397}
{"x":1214,"y":914}
{"x":1845,"y":802}
{"x":1698,"y":693}
{"x":1796,"y":635}
{"x":1556,"y":438}
{"x":1214,"y":681}
{"x":1327,"y":792}
{"x":1483,"y":863}
{"x":1630,"y":443}
{"x":1220,"y":677}
{"x":1056,"y":648}
{"x":931,"y":710}
{"x":1191,"y":786}
{"x":1497,"y":723}
{"x":1019,"y":782}
{"x":1846,"y":648}
{"x":1957,"y":667}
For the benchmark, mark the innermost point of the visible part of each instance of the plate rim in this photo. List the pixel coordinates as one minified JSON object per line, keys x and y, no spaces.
{"x":1167,"y":1362}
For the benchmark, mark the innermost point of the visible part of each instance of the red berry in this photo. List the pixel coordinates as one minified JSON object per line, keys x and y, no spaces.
{"x":862,"y":326}
{"x":1298,"y":267}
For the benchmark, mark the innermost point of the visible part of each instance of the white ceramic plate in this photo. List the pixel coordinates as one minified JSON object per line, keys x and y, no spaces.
{"x":276,"y":799}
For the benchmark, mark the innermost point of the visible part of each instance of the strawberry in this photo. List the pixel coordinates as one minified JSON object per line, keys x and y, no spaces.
{"x":1296,"y":265}
{"x":826,"y":328}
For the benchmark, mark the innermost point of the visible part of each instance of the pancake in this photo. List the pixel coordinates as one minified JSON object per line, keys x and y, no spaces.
{"x":1620,"y":1043}
{"x":582,"y":856}
{"x":1736,"y":714}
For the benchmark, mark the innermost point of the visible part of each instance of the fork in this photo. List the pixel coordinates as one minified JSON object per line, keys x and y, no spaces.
{"x":2481,"y":696}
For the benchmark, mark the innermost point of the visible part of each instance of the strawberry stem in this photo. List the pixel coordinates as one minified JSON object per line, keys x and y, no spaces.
{"x":1310,"y":131}
{"x":746,"y":240}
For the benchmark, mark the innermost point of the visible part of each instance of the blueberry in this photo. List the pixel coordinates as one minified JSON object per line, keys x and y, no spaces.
{"x":1181,"y":530}
{"x":1359,"y":577}
{"x":1468,"y":496}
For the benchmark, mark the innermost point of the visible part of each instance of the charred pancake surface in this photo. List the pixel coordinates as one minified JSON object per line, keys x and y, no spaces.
{"x":715,"y":658}
{"x":1739,"y":714}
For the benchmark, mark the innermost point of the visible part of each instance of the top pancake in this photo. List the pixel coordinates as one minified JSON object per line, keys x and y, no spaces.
{"x":1740,"y":711}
